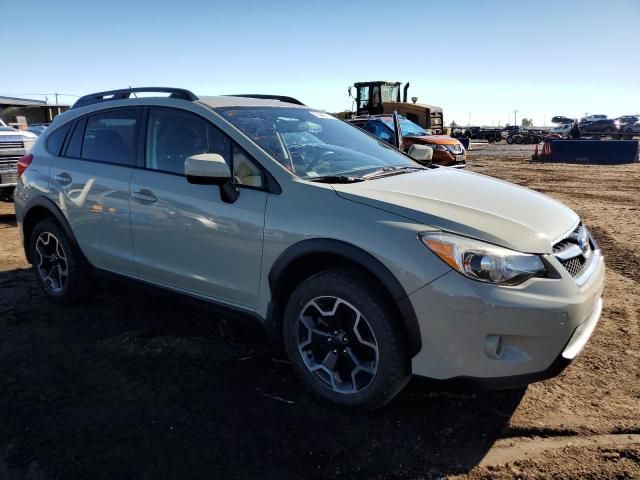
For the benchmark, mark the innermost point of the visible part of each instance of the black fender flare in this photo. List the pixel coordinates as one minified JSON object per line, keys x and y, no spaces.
{"x":362,"y":259}
{"x":49,"y":205}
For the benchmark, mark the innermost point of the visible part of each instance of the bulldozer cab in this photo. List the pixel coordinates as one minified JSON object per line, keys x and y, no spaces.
{"x":378,"y":98}
{"x":370,"y":96}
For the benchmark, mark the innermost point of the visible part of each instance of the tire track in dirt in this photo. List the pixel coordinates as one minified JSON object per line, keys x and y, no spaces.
{"x":512,"y":449}
{"x":618,"y":258}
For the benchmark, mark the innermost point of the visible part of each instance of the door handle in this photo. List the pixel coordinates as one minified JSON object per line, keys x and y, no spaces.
{"x":144,"y":196}
{"x":63,"y":178}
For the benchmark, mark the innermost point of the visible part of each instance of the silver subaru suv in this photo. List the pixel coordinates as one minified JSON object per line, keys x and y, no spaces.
{"x":366,"y":265}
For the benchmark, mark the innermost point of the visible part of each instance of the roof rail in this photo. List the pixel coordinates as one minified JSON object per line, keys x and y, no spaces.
{"x":281,"y":98}
{"x":123,"y":93}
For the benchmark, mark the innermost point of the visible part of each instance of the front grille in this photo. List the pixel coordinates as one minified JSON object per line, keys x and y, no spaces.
{"x":11,"y":145}
{"x":8,"y":170}
{"x":574,"y":265}
{"x":8,"y":178}
{"x":8,"y":164}
{"x":574,"y":251}
{"x":11,"y":142}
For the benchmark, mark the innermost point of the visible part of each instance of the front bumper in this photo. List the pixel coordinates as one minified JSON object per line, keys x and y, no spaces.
{"x":499,"y":337}
{"x":448,"y":159}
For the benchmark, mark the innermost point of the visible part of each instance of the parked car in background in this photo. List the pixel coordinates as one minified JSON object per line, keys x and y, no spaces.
{"x":603,"y":126}
{"x":562,"y":130}
{"x":631,"y":131}
{"x":447,"y":150}
{"x":593,"y":118}
{"x":13,"y":145}
{"x":37,"y":128}
{"x":626,"y":120}
{"x":562,"y":120}
{"x":367,"y":266}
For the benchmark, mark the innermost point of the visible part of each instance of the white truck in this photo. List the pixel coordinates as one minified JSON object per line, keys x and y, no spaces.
{"x":13,"y":145}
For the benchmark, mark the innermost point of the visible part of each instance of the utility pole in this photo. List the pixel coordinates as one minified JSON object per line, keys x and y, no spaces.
{"x":469,"y":124}
{"x":56,"y":98}
{"x":515,"y":116}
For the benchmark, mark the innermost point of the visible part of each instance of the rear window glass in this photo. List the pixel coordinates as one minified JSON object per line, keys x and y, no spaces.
{"x":111,"y":137}
{"x":56,"y":139}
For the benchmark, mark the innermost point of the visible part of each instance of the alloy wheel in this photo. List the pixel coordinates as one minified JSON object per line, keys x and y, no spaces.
{"x":337,"y":344}
{"x":52,"y":264}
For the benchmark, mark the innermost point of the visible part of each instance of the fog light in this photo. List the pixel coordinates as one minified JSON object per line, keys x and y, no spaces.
{"x":494,"y":346}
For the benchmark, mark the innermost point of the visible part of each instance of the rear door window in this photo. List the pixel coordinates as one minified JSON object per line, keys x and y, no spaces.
{"x":111,"y":137}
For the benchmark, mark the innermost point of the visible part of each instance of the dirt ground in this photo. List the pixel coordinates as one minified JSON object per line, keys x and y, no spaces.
{"x":145,"y":386}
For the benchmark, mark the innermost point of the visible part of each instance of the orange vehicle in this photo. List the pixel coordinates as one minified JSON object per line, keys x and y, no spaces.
{"x":447,"y":150}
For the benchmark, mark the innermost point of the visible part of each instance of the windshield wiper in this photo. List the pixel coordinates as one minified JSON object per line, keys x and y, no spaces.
{"x":334,"y":179}
{"x":387,"y":171}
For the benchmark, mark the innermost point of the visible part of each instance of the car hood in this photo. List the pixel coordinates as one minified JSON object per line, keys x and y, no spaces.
{"x":469,"y":204}
{"x":14,"y":132}
{"x":434,"y":139}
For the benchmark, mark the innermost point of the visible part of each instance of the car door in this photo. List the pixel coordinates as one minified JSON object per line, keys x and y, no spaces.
{"x":185,"y":236}
{"x":89,"y":181}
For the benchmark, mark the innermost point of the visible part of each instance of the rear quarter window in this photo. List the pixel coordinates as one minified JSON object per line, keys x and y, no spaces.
{"x":55,"y":140}
{"x":75,"y":142}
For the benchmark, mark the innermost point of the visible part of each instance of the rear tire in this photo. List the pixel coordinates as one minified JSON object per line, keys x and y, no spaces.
{"x":343,"y":338}
{"x":60,"y":269}
{"x":510,"y":140}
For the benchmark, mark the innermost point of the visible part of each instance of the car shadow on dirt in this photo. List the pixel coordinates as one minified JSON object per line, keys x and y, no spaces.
{"x":137,"y":384}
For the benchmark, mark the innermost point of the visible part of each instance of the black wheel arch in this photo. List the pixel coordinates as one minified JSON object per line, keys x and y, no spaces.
{"x":38,"y":208}
{"x":312,"y":256}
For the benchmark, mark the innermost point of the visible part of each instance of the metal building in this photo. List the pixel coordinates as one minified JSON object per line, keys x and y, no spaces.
{"x":13,"y":110}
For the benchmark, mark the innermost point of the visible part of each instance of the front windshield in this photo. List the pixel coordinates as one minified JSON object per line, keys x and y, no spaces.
{"x":390,"y":93}
{"x":407,"y":127}
{"x":314,"y":144}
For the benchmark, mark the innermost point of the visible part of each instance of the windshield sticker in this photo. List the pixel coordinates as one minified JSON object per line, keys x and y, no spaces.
{"x":323,"y":115}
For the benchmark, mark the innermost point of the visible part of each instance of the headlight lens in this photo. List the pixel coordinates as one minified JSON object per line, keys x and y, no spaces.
{"x":437,"y":147}
{"x":482,"y":261}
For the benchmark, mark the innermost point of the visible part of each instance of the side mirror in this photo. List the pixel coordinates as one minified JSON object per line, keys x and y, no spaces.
{"x":211,"y":169}
{"x":350,"y":94}
{"x":207,"y":169}
{"x":421,"y":153}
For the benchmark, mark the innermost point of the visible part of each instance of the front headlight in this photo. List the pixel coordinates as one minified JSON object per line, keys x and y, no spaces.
{"x":437,"y":147}
{"x":482,"y":261}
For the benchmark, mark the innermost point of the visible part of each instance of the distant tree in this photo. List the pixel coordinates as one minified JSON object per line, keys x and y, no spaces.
{"x":527,"y":122}
{"x":453,"y":123}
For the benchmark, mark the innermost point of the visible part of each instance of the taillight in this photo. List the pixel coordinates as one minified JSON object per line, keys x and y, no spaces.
{"x":23,"y":163}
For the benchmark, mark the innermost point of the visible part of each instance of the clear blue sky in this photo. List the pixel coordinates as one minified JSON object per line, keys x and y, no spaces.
{"x":542,"y":57}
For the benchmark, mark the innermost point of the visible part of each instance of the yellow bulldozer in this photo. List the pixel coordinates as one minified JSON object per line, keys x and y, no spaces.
{"x":382,"y":97}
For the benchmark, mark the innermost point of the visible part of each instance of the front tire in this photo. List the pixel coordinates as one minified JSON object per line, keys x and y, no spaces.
{"x":59,"y":268}
{"x":343,"y":338}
